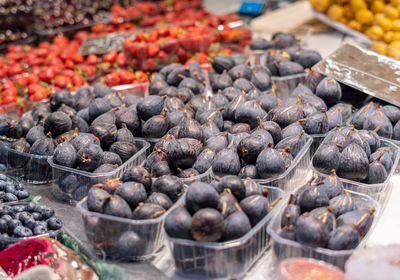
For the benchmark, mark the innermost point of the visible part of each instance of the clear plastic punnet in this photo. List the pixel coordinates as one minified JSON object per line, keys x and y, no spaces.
{"x":284,"y":248}
{"x":227,"y":260}
{"x":297,"y":172}
{"x":103,"y":232}
{"x":376,"y":191}
{"x":73,"y":185}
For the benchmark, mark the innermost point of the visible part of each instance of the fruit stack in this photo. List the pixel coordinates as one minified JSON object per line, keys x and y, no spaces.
{"x":150,"y":51}
{"x":322,"y":214}
{"x":16,"y":20}
{"x":224,"y":221}
{"x":379,"y":20}
{"x":124,"y":218}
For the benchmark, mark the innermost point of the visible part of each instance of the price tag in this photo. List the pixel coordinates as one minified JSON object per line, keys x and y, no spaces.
{"x":251,"y":7}
{"x":104,"y":44}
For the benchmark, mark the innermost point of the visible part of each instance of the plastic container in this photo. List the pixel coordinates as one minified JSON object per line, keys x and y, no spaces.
{"x":103,"y":232}
{"x":285,"y":85}
{"x":284,"y":248}
{"x":4,"y":141}
{"x":231,"y":259}
{"x":30,"y":168}
{"x":140,"y":90}
{"x":13,"y":110}
{"x":78,"y":182}
{"x":376,"y":191}
{"x":296,"y":173}
{"x":6,"y":242}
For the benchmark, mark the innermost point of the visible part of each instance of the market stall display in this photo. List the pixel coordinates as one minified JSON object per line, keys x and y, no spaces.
{"x":164,"y":136}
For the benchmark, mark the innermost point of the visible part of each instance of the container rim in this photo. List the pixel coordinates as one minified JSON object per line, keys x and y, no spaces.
{"x":27,"y":154}
{"x":324,"y":251}
{"x":296,"y":161}
{"x":241,"y":240}
{"x":145,"y":146}
{"x":82,"y":207}
{"x":361,"y":184}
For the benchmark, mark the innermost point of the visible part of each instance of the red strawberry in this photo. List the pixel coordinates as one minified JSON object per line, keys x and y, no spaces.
{"x":110,"y":57}
{"x":126,"y":77}
{"x":153,"y":49}
{"x":62,"y":81}
{"x":163,"y":57}
{"x":77,"y":80}
{"x":92,"y":59}
{"x":149,"y":65}
{"x":170,"y":45}
{"x":122,"y":60}
{"x":33,"y":79}
{"x":14,"y":69}
{"x":112,"y":79}
{"x":22,"y":81}
{"x":47,"y":74}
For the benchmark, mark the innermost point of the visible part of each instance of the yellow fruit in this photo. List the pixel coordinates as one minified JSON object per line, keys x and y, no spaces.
{"x":396,"y":36}
{"x":320,"y":5}
{"x":378,"y":7}
{"x":396,"y":25}
{"x":342,"y":2}
{"x":394,"y":2}
{"x":375,"y":32}
{"x":358,"y":4}
{"x":364,"y":16}
{"x":378,"y":18}
{"x":386,"y":24}
{"x":335,"y":12}
{"x":353,"y":24}
{"x":391,"y":12}
{"x":348,"y":12}
{"x":380,"y":47}
{"x":394,"y":52}
{"x":343,"y":20}
{"x":388,"y":36}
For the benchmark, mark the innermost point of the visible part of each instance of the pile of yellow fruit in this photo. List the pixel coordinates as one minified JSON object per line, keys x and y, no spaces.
{"x":379,"y":20}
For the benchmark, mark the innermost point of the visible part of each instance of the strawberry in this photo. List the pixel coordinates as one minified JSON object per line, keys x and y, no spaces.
{"x":122,"y":60}
{"x":163,"y":57}
{"x":80,"y":36}
{"x":62,"y":81}
{"x":170,"y":45}
{"x":112,"y":79}
{"x":153,"y":49}
{"x":67,"y":72}
{"x":33,"y":79}
{"x":126,"y":77}
{"x":150,"y":64}
{"x":22,"y":81}
{"x":69,"y":64}
{"x":15,"y":69}
{"x":32,"y":89}
{"x":77,"y":80}
{"x":77,"y":58}
{"x":110,"y":57}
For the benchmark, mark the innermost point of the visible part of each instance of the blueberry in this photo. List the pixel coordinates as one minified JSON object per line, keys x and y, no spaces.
{"x":3,"y":226}
{"x":18,"y":208}
{"x":39,"y":229}
{"x":24,"y":216}
{"x":5,"y":210}
{"x":30,"y":223}
{"x":22,"y":194}
{"x":31,"y":207}
{"x":12,"y":224}
{"x":4,"y":236}
{"x":54,"y":223}
{"x":46,"y":212}
{"x":21,"y":231}
{"x":8,"y":197}
{"x":37,"y":216}
{"x":19,"y":187}
{"x":3,"y":185}
{"x":6,"y":218}
{"x":10,"y":188}
{"x":3,"y":177}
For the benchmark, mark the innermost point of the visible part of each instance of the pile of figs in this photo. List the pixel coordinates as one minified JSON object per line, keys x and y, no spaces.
{"x":384,"y":120}
{"x":134,"y":197}
{"x":323,"y":214}
{"x":284,"y":55}
{"x":358,"y":155}
{"x":224,"y":210}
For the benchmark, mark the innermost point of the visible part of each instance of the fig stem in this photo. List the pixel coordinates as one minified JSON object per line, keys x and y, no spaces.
{"x":287,"y":220}
{"x":275,"y":202}
{"x":290,"y":199}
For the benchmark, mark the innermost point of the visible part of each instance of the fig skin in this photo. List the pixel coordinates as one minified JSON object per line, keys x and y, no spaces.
{"x":57,"y":123}
{"x":207,"y":225}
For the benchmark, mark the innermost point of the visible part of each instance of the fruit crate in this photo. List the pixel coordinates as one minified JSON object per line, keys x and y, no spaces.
{"x":4,"y":141}
{"x":47,"y":35}
{"x":296,"y":173}
{"x":7,"y":241}
{"x":376,"y":191}
{"x":30,"y":168}
{"x":103,"y":232}
{"x":140,"y":90}
{"x":78,"y":182}
{"x":284,"y":248}
{"x":231,"y":259}
{"x":14,"y":110}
